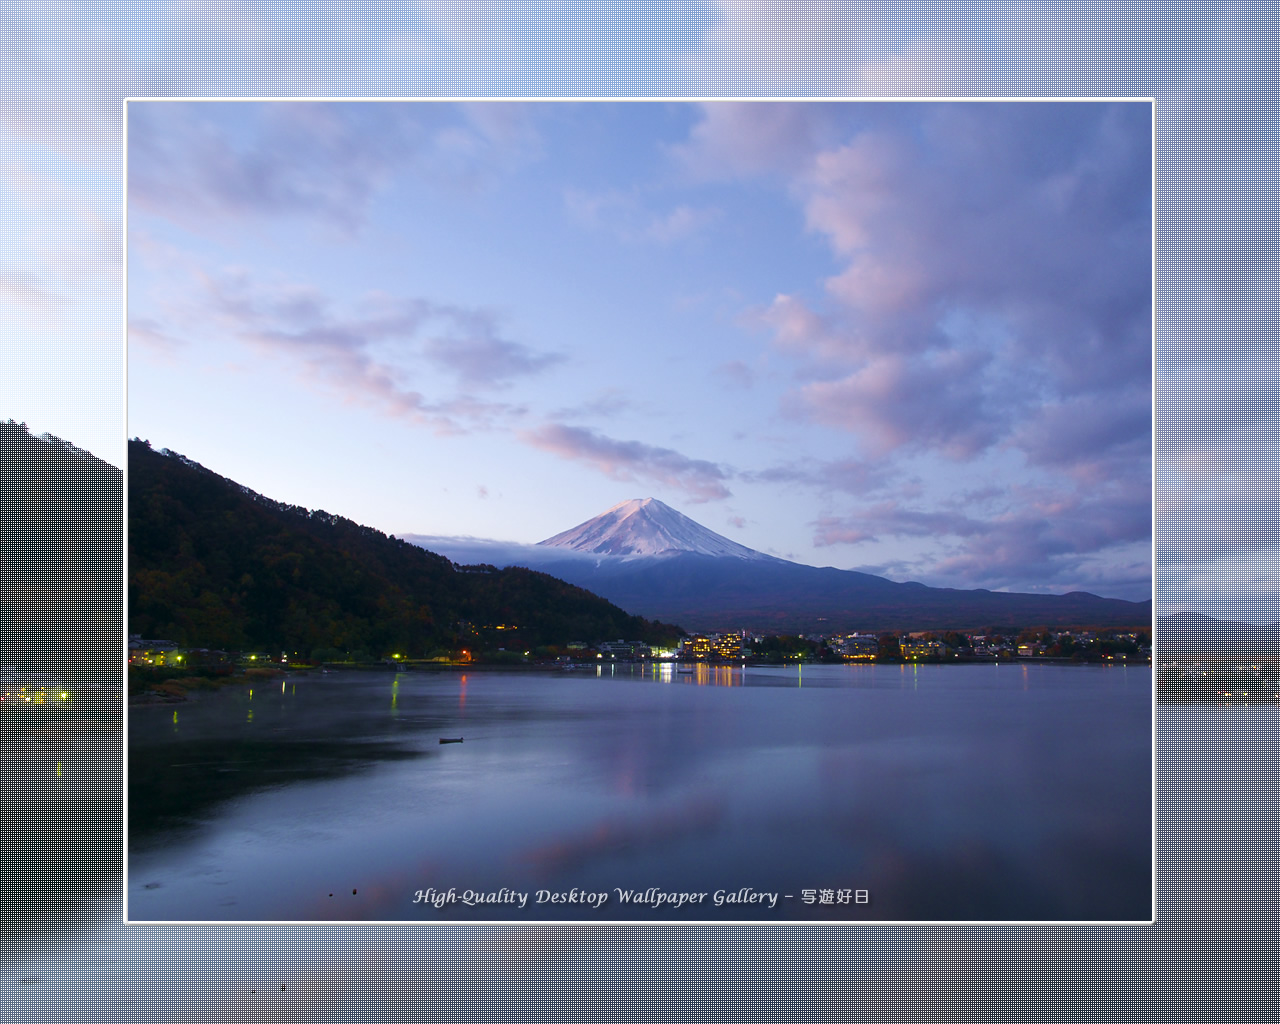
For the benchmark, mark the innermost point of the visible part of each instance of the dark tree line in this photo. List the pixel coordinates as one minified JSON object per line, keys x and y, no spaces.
{"x":213,"y":564}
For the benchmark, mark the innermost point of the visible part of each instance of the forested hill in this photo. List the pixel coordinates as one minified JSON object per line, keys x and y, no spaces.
{"x":61,"y":547}
{"x":213,"y":564}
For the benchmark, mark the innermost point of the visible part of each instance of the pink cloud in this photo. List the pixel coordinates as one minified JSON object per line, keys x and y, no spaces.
{"x":895,"y":401}
{"x":799,"y":331}
{"x":632,"y":460}
{"x":829,"y":530}
{"x":860,"y":191}
{"x":880,"y":287}
{"x":731,"y":140}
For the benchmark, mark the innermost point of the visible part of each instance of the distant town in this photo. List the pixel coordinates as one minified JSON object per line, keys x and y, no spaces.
{"x":20,"y":686}
{"x":1079,"y":645}
{"x":159,"y":668}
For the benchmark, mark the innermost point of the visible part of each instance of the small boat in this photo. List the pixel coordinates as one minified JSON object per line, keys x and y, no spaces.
{"x":458,"y":740}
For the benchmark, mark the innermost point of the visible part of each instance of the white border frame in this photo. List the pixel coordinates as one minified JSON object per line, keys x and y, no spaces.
{"x":788,"y":922}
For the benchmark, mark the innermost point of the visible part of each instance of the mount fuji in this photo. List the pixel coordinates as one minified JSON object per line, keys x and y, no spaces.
{"x":651,"y":560}
{"x":645,"y":527}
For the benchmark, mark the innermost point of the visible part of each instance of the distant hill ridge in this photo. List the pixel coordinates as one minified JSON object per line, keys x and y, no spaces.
{"x":1195,"y":636}
{"x":646,"y":557}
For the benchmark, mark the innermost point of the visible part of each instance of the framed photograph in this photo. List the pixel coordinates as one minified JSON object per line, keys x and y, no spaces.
{"x":649,"y":512}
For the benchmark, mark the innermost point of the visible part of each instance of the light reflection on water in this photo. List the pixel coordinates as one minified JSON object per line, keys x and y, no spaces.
{"x":949,"y":792}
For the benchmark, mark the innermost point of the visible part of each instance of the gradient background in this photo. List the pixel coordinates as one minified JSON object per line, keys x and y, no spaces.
{"x":65,"y":70}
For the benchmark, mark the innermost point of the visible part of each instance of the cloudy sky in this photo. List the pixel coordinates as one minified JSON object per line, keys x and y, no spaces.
{"x":795,"y":358}
{"x":909,"y":338}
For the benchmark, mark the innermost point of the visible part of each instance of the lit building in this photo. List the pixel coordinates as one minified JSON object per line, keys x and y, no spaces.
{"x":918,"y":649}
{"x":697,"y":646}
{"x":728,"y":645}
{"x":623,"y":648}
{"x":858,"y":647}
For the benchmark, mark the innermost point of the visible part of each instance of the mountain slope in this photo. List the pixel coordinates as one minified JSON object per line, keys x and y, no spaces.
{"x":213,"y":564}
{"x":648,"y":558}
{"x":61,"y":558}
{"x":708,"y":593}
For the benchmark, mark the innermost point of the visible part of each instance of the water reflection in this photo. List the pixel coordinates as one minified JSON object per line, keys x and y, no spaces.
{"x":699,"y":673}
{"x":706,"y":674}
{"x":87,"y":965}
{"x":337,"y":804}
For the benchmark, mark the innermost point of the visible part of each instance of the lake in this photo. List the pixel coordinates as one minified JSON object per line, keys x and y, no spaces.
{"x":815,"y":793}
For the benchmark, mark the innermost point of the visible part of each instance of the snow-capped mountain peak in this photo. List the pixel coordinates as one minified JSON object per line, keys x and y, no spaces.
{"x":645,"y":526}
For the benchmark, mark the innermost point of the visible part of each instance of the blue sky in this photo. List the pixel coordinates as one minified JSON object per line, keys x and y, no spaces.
{"x":909,"y":338}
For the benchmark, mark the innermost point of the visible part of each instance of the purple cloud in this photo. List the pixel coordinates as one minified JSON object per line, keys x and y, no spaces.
{"x":991,"y":259}
{"x":855,"y":476}
{"x":152,"y":334}
{"x":607,"y":401}
{"x":630,"y":217}
{"x":192,"y":162}
{"x":1055,"y":537}
{"x":632,"y":460}
{"x":188,"y":162}
{"x":463,"y":342}
{"x":891,"y":518}
{"x":371,"y":353}
{"x":737,"y":373}
{"x":471,"y":347}
{"x":1095,"y":437}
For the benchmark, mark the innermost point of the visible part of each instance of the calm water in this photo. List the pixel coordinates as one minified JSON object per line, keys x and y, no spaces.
{"x":942,"y":792}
